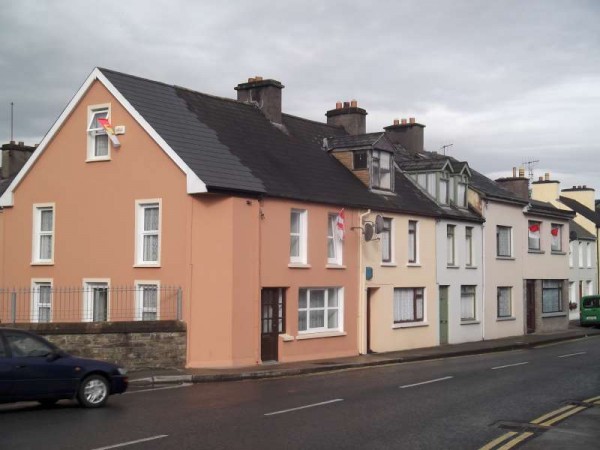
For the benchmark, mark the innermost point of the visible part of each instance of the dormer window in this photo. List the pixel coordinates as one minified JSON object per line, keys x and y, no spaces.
{"x":360,"y":160}
{"x":444,"y":189}
{"x":381,"y":170}
{"x":461,"y":194}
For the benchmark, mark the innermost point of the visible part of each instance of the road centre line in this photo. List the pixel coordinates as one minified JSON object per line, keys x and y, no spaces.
{"x":509,"y":365}
{"x":515,"y":441}
{"x":304,"y":407}
{"x":556,"y":412}
{"x":425,"y":382}
{"x":563,"y":416}
{"x":571,"y":354}
{"x":504,"y":437}
{"x":123,"y":444}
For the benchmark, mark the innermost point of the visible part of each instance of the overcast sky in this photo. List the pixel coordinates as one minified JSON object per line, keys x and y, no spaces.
{"x":503,"y":81}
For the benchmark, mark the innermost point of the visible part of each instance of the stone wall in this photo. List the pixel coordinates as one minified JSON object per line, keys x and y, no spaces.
{"x":133,"y":345}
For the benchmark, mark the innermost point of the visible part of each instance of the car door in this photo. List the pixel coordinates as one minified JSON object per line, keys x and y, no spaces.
{"x":5,"y":371}
{"x":34,"y":374}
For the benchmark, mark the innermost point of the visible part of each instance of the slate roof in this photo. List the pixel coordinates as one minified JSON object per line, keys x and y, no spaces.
{"x":423,"y":164}
{"x":4,"y":183}
{"x":580,"y":232}
{"x":492,"y":189}
{"x":363,"y":140}
{"x":581,"y":209}
{"x":547,"y":209}
{"x":234,"y":148}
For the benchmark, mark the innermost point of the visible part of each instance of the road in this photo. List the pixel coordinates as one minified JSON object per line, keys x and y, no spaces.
{"x":455,"y":403}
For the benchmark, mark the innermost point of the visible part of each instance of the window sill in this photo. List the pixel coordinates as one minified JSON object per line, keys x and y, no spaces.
{"x":410,"y":325}
{"x":452,"y":266}
{"x":558,"y":252}
{"x":470,"y":322}
{"x":505,"y":258}
{"x":320,"y":334}
{"x":147,"y":265}
{"x":335,"y":266}
{"x":536,"y":252}
{"x":91,"y":160}
{"x":42,"y":263}
{"x":299,"y":266}
{"x":390,"y":264}
{"x":413,"y":265}
{"x":554,"y":314}
{"x":471,"y":267}
{"x":505,"y":319}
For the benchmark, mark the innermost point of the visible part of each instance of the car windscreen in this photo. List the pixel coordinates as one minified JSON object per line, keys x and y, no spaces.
{"x":26,"y":345}
{"x":591,"y":302}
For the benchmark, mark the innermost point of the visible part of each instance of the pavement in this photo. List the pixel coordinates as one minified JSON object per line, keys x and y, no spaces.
{"x":151,"y":377}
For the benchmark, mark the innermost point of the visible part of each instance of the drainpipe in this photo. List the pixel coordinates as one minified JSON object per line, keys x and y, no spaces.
{"x":362,"y":298}
{"x":483,"y":284}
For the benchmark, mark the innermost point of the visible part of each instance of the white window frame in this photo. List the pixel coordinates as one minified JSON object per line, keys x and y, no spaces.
{"x":558,"y":289}
{"x":139,"y":299}
{"x":469,"y":253}
{"x":36,"y":284}
{"x":510,"y":299}
{"x":377,"y":170}
{"x":333,"y":237}
{"x":391,"y":233}
{"x":444,"y":189}
{"x":38,"y":233}
{"x":589,"y":254}
{"x":451,"y":260}
{"x":559,"y":249}
{"x":509,"y":230}
{"x":326,"y":308}
{"x":474,"y":317}
{"x":93,"y":132}
{"x":461,"y":200}
{"x":396,"y":305}
{"x":538,"y":237}
{"x":88,"y":299}
{"x":413,"y":247}
{"x":571,"y":250}
{"x":302,"y":234}
{"x":140,"y":207}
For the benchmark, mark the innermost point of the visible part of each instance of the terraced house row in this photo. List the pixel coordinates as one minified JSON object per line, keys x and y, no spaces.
{"x":284,"y":239}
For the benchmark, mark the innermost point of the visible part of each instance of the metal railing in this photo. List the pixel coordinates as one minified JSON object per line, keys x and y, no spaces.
{"x":96,"y":302}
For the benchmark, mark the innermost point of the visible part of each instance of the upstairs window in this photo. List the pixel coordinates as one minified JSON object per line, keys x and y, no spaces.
{"x":298,"y":236}
{"x":334,"y":241}
{"x":386,"y":241}
{"x":98,"y":148}
{"x":556,"y":232}
{"x":43,"y":234}
{"x":431,"y":184}
{"x":444,"y":190}
{"x":412,"y":242}
{"x":382,"y":170}
{"x":581,"y":253}
{"x":589,"y":254}
{"x":534,"y":235}
{"x":148,"y":232}
{"x":503,"y":241}
{"x":450,"y":246}
{"x":469,"y":246}
{"x":461,"y":194}
{"x":359,"y":160}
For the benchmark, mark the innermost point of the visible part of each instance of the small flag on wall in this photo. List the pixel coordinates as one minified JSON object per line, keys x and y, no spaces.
{"x":110,"y":132}
{"x":340,"y":226}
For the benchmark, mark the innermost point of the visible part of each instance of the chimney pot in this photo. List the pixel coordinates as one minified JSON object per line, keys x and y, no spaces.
{"x":257,"y":78}
{"x":354,"y":104}
{"x":338,"y":105}
{"x":541,"y":178}
{"x":514,"y":172}
{"x":521,"y":172}
{"x":411,"y":120}
{"x":21,"y":144}
{"x":584,"y":186}
{"x":346,"y":104}
{"x":547,"y":176}
{"x":250,"y":80}
{"x":403,"y":121}
{"x":396,"y":121}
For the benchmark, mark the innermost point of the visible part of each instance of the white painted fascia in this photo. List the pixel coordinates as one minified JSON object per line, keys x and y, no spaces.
{"x":194,"y":184}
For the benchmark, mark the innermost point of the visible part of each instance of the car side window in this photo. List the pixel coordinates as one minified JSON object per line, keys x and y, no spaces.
{"x":2,"y":350}
{"x":24,"y":345}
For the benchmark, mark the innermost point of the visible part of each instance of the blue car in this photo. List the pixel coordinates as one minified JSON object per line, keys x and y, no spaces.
{"x":31,"y":368}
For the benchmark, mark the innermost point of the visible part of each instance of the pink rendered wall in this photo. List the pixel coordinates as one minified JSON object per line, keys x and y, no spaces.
{"x":274,"y":272}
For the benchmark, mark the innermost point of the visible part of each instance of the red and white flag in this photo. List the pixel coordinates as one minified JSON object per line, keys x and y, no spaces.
{"x":534,"y":231}
{"x":339,"y":224}
{"x":555,"y":237}
{"x":109,"y":131}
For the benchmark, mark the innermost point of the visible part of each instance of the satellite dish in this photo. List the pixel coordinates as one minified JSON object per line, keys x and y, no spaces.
{"x":368,"y":231}
{"x":378,"y":224}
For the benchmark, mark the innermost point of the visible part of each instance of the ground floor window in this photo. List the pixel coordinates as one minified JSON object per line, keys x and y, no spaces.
{"x":320,"y":309}
{"x":504,"y":302}
{"x":551,"y":296}
{"x":408,"y":305}
{"x":467,"y":302}
{"x":147,"y":301}
{"x":95,"y":301}
{"x":42,"y":301}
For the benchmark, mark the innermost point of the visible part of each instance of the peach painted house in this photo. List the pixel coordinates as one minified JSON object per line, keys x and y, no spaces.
{"x":232,"y":202}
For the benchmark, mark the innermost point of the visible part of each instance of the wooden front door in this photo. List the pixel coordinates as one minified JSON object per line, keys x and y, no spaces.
{"x":443,"y":315}
{"x":272,"y":322}
{"x":530,"y":293}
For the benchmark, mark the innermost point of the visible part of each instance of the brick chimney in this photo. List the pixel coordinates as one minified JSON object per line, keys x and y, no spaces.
{"x":14,"y":157}
{"x":545,"y":189}
{"x":408,"y":134}
{"x":266,"y":94}
{"x":348,"y":116}
{"x":582,"y":194}
{"x":518,"y":185}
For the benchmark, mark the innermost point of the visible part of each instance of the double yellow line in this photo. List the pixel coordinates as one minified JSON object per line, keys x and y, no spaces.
{"x":513,"y":438}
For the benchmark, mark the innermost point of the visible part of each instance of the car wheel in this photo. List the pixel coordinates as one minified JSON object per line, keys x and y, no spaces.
{"x":93,"y":391}
{"x":48,"y":402}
